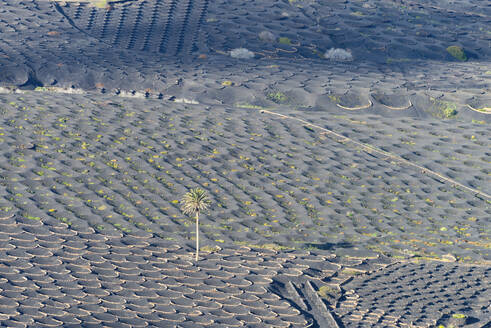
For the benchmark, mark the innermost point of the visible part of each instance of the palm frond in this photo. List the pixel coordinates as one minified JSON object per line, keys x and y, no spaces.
{"x":195,"y":201}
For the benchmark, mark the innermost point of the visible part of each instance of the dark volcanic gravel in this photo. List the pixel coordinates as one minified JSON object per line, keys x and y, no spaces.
{"x":348,"y":192}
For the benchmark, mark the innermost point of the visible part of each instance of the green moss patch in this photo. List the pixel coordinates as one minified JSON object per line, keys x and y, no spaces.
{"x":457,"y":52}
{"x":325,"y":291}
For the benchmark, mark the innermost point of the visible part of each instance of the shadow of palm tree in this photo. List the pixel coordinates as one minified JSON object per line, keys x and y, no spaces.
{"x":329,"y":246}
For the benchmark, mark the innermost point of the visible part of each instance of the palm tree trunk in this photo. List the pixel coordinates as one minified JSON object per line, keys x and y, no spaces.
{"x":197,"y":236}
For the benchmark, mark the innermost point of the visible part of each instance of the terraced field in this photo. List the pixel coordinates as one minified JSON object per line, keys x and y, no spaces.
{"x":346,"y":192}
{"x":173,"y":28}
{"x":274,"y":182}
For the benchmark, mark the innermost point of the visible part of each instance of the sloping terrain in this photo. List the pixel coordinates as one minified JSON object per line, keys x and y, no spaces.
{"x":92,"y":178}
{"x":348,"y":190}
{"x":181,"y":49}
{"x":122,"y":165}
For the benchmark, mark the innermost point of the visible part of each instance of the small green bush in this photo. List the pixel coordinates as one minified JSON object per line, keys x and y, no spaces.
{"x":457,"y":52}
{"x":459,"y":316}
{"x":449,"y":112}
{"x":285,"y":40}
{"x":444,"y":109}
{"x":277,"y":97}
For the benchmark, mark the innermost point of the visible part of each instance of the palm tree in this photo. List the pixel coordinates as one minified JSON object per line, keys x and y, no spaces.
{"x":194,"y":202}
